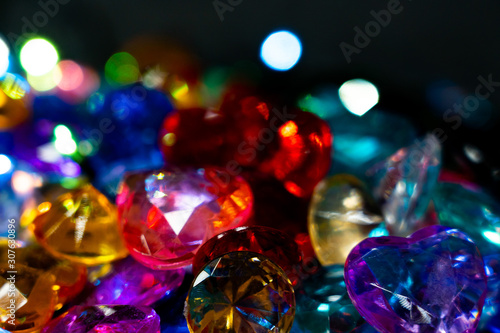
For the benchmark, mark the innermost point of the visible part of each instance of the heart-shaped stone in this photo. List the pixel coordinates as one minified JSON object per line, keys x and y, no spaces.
{"x":432,"y":281}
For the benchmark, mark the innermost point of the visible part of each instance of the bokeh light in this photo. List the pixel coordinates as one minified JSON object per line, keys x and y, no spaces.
{"x":5,"y":164}
{"x":24,"y":183}
{"x":358,"y":96}
{"x":4,"y":57}
{"x":43,"y":82}
{"x":3,"y":99}
{"x":68,"y":76}
{"x":64,"y":142}
{"x":38,"y":56}
{"x":281,"y":50}
{"x":121,"y":69}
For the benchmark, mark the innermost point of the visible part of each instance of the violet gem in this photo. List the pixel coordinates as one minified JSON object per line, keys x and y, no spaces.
{"x":432,"y":281}
{"x":106,"y":318}
{"x":132,"y":283}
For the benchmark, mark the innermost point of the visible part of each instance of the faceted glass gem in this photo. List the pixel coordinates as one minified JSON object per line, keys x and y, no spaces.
{"x":292,"y":145}
{"x":471,"y":210}
{"x":361,"y":142}
{"x":432,"y":281}
{"x":70,"y":276}
{"x":240,"y":292}
{"x":403,"y":184}
{"x":269,"y":242}
{"x":31,"y":298}
{"x":323,"y":304}
{"x":106,"y":318}
{"x":129,"y":282}
{"x":341,"y":214}
{"x":81,"y":226}
{"x":166,"y":215}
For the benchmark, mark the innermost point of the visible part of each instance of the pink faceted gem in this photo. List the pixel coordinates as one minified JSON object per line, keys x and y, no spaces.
{"x":166,"y":215}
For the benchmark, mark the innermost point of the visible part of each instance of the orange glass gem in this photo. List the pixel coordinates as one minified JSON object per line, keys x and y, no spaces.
{"x":70,"y":277}
{"x":81,"y":226}
{"x":31,"y":299}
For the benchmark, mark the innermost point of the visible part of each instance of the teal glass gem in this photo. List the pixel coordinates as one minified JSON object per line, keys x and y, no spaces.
{"x":403,"y":184}
{"x":323,"y":305}
{"x":362,"y":141}
{"x":475,"y":212}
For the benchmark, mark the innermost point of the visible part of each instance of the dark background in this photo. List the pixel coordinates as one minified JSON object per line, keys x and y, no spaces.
{"x":427,"y":42}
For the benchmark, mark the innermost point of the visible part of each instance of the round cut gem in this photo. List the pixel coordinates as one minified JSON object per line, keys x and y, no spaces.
{"x":272,"y":243}
{"x":106,"y":318}
{"x":81,"y":226}
{"x":166,"y":215}
{"x":432,"y":281}
{"x":240,"y":292}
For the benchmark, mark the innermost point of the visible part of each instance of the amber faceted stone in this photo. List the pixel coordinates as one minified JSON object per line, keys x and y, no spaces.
{"x":70,"y":276}
{"x":342,"y":213}
{"x":31,"y":298}
{"x":81,"y":226}
{"x":240,"y":292}
{"x":272,"y":243}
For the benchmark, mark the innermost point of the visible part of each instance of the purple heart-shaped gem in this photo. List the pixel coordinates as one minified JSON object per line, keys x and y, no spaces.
{"x":431,"y":281}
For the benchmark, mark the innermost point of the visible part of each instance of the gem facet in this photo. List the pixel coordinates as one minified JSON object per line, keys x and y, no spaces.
{"x":341,"y":214}
{"x":166,"y":215}
{"x":34,"y":298}
{"x":129,"y":282}
{"x":269,"y":242}
{"x":81,"y":226}
{"x":293,"y":146}
{"x":106,"y":318}
{"x":70,"y":276}
{"x":403,"y":184}
{"x":240,"y":292}
{"x":432,"y":281}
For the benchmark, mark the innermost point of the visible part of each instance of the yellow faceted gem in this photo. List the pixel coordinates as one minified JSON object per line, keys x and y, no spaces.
{"x":70,"y":276}
{"x":240,"y":292}
{"x":341,"y":214}
{"x":81,"y":226}
{"x":27,"y":298}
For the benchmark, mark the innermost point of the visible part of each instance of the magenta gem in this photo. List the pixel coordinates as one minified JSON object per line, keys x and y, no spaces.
{"x":432,"y":281}
{"x":132,"y":283}
{"x":106,"y":318}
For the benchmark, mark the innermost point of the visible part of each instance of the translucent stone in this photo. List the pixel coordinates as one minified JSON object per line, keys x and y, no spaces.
{"x":269,"y":242}
{"x":33,"y":296}
{"x":468,"y":208}
{"x":361,"y":142}
{"x":81,"y":226}
{"x":403,"y":184}
{"x":341,"y":214}
{"x":432,"y":281}
{"x":106,"y":318}
{"x":324,"y":306}
{"x":166,"y":215}
{"x":240,"y":292}
{"x":70,"y":276}
{"x":129,"y":282}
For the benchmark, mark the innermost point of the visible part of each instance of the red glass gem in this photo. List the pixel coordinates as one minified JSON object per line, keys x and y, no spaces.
{"x":269,"y":242}
{"x":303,"y":158}
{"x":166,"y":215}
{"x":293,"y":146}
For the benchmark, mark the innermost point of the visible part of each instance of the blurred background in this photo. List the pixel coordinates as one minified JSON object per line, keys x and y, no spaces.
{"x":427,"y":58}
